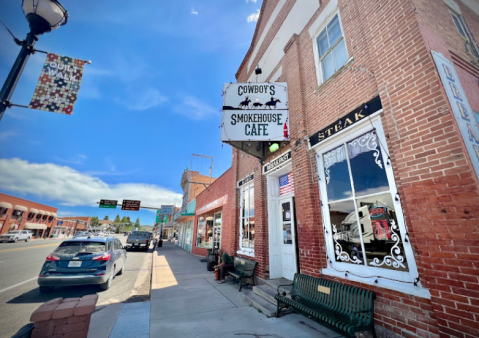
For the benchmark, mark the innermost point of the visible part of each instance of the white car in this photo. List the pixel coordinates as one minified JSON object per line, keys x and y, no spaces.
{"x":16,"y":235}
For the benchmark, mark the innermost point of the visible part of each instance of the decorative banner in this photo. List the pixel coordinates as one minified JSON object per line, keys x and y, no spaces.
{"x":255,"y":112}
{"x":58,"y":86}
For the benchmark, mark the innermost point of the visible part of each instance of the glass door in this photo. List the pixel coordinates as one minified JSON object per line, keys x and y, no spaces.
{"x":289,"y":244}
{"x":217,"y":232}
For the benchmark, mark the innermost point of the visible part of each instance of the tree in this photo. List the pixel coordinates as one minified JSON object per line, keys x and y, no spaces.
{"x":125,"y":220}
{"x":128,"y":218}
{"x":94,"y":221}
{"x":137,"y":223}
{"x":117,"y":219}
{"x":106,"y":218}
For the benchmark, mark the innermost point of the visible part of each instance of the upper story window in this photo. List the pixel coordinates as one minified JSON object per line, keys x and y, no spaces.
{"x":331,"y":49}
{"x":469,"y":44}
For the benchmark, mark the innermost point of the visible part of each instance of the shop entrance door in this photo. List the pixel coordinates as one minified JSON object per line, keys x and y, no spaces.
{"x":287,"y":228}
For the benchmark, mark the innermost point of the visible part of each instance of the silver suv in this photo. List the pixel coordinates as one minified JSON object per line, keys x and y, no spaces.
{"x":16,"y":235}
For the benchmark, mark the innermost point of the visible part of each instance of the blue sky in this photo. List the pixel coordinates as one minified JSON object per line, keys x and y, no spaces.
{"x":150,"y":98}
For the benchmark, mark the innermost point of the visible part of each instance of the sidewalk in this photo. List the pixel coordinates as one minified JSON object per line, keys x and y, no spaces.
{"x":187,"y":301}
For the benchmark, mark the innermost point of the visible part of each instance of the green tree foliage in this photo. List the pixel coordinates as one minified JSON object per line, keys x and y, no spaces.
{"x":125,"y":220}
{"x":94,"y":221}
{"x":106,"y":218}
{"x":137,"y":223}
{"x":117,"y":219}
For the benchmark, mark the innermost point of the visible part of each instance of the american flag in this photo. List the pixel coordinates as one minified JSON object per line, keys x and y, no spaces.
{"x":286,"y":184}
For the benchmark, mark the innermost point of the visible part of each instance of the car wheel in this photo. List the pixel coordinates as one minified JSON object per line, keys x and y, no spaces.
{"x":46,"y":289}
{"x":15,"y":240}
{"x":107,"y":284}
{"x":121,"y":271}
{"x":28,"y":238}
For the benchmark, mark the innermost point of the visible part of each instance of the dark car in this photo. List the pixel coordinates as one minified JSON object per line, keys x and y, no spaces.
{"x":83,"y":261}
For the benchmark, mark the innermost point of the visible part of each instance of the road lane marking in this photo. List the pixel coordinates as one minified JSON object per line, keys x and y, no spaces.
{"x":14,"y":286}
{"x":30,"y":247}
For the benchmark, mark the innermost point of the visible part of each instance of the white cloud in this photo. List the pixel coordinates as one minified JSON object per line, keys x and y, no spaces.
{"x":253,"y":17}
{"x":194,"y":12}
{"x":77,"y":159}
{"x":151,"y":98}
{"x":251,"y":1}
{"x":195,"y":109}
{"x":73,"y":188}
{"x":4,"y":135}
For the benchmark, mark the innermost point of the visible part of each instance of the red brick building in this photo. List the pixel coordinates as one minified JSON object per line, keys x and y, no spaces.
{"x":214,"y":225}
{"x":82,"y":223}
{"x":383,"y":157}
{"x":19,"y":214}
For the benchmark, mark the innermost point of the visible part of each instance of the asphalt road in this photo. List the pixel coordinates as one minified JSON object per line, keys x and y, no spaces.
{"x":20,"y":264}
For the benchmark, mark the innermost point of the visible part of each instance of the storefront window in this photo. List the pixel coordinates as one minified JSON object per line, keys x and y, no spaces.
{"x":204,"y":236}
{"x":365,"y":230}
{"x":247,"y":217}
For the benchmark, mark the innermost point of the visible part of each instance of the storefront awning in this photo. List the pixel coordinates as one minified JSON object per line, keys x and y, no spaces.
{"x":14,"y":227}
{"x":48,"y":213}
{"x":21,"y":208}
{"x":33,"y":211}
{"x":35,"y":226}
{"x":54,"y":215}
{"x":5,"y":205}
{"x":41,"y":212}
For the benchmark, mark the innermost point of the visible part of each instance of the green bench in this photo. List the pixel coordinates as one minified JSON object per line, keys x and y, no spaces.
{"x":243,"y":270}
{"x":344,"y":308}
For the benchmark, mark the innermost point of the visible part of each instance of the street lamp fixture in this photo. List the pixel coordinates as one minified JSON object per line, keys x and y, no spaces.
{"x":43,"y":16}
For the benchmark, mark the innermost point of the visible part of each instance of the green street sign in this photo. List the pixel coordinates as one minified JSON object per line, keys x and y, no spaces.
{"x":108,"y":204}
{"x":165,"y":219}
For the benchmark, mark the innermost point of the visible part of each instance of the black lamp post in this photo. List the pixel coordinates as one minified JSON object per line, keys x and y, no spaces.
{"x":43,"y":16}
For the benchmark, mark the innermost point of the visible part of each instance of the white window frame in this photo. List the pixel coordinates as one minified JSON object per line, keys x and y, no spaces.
{"x":317,"y":59}
{"x":468,"y":39}
{"x":242,"y":250}
{"x":362,"y":273}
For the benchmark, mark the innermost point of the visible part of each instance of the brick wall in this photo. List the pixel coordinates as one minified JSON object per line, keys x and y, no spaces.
{"x":389,"y":43}
{"x":7,"y":220}
{"x":221,"y":187}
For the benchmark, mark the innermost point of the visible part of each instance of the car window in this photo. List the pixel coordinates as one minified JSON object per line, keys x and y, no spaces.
{"x":140,"y":233}
{"x":73,"y":248}
{"x":14,"y":232}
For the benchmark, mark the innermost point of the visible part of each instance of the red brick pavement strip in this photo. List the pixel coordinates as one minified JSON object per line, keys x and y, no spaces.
{"x":64,"y":318}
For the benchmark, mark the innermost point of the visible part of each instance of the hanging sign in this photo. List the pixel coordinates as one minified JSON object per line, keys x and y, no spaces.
{"x":460,"y":107}
{"x":168,"y":209}
{"x":353,"y":117}
{"x":58,"y":86}
{"x":255,"y":112}
{"x":280,"y":161}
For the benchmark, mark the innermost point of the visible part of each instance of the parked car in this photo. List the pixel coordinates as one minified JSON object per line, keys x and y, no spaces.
{"x":83,"y":261}
{"x":82,"y":234}
{"x":139,"y":239}
{"x":16,"y":235}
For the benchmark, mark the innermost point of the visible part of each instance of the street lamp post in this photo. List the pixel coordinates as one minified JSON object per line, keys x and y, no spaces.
{"x":43,"y":16}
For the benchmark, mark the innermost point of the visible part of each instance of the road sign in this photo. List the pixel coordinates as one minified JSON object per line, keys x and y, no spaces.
{"x":131,"y":205}
{"x":110,"y":204}
{"x":159,"y":216}
{"x":165,"y":219}
{"x":168,"y":209}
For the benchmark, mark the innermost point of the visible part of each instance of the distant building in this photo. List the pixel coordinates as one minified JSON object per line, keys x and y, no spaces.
{"x":19,"y":214}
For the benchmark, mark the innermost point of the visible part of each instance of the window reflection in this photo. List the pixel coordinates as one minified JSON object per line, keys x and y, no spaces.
{"x":247,"y":219}
{"x":337,"y":174}
{"x":346,"y":237}
{"x":367,"y":167}
{"x":382,"y":239}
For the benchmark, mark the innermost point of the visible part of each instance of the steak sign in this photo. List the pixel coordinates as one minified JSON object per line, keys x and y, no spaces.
{"x":255,"y":112}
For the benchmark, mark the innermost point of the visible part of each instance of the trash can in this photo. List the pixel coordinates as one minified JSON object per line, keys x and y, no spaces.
{"x":160,"y":243}
{"x":211,"y":259}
